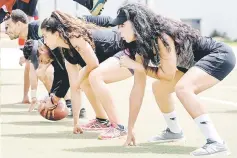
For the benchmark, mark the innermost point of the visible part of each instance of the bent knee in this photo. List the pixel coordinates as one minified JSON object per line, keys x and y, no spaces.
{"x":181,"y":89}
{"x":85,"y":84}
{"x":94,"y":76}
{"x":41,"y":75}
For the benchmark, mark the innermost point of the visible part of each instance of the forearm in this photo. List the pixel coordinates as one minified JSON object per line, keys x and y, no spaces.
{"x":136,"y":98}
{"x":76,"y":104}
{"x":33,"y":78}
{"x":60,"y":84}
{"x":104,"y":21}
{"x":136,"y":66}
{"x":165,"y":75}
{"x":83,"y":74}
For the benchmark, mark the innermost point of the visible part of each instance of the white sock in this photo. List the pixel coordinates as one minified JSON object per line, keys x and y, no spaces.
{"x":207,"y":128}
{"x":172,"y":122}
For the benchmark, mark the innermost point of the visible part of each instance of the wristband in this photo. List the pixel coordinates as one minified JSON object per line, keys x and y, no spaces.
{"x":33,"y":93}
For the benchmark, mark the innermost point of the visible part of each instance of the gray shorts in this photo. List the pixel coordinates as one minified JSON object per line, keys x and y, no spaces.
{"x":218,"y":63}
{"x":119,"y":55}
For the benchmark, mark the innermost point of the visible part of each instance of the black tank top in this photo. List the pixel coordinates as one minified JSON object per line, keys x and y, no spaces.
{"x":205,"y":46}
{"x":106,"y":45}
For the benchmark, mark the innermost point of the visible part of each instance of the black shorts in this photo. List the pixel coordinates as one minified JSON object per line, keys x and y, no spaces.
{"x":119,"y":55}
{"x":28,"y":8}
{"x":217,"y":64}
{"x":2,"y":15}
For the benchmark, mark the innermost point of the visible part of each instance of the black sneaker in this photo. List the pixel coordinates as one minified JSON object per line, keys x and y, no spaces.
{"x":95,"y":6}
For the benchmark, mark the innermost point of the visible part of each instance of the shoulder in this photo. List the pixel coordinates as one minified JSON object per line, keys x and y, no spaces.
{"x":77,"y":42}
{"x":167,"y":38}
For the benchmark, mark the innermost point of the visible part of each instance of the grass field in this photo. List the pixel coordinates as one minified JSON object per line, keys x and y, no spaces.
{"x":29,"y":135}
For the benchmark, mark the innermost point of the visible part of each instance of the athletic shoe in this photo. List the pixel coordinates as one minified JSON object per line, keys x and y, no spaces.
{"x":115,"y":131}
{"x":211,"y":148}
{"x":82,"y":114}
{"x":95,"y":6}
{"x":95,"y":125}
{"x":167,"y":136}
{"x":98,"y":6}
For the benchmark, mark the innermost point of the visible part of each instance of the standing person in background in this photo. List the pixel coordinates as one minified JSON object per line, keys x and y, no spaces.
{"x":29,"y":8}
{"x":95,"y":6}
{"x":5,"y":8}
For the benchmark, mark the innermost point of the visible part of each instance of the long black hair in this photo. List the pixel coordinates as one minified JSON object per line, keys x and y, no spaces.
{"x":68,"y":27}
{"x":149,"y":26}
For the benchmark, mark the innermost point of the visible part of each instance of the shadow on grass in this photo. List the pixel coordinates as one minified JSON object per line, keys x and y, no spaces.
{"x":224,"y":112}
{"x":41,"y":123}
{"x":19,"y":112}
{"x":58,"y":135}
{"x":14,"y":106}
{"x":140,"y":149}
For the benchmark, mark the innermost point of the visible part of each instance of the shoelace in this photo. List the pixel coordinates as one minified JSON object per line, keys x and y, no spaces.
{"x":112,"y":129}
{"x":166,"y":131}
{"x":209,"y":142}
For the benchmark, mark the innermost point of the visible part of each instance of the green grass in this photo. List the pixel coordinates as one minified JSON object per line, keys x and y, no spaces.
{"x":231,"y":43}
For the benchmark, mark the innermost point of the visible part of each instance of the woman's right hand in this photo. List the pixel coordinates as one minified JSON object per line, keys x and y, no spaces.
{"x":77,"y":129}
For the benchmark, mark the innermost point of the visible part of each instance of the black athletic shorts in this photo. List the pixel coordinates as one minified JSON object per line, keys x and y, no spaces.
{"x":28,"y":8}
{"x":218,"y":63}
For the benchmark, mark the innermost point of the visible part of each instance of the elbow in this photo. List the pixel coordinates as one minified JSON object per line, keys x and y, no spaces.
{"x":166,"y":76}
{"x":92,"y":66}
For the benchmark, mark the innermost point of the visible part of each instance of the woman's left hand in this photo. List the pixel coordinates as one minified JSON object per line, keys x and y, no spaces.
{"x":131,"y":140}
{"x":46,"y":104}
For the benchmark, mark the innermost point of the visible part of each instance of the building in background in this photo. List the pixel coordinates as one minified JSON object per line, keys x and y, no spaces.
{"x":206,"y":15}
{"x":45,"y":7}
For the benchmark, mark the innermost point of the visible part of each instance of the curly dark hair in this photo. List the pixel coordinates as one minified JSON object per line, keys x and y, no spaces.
{"x":31,"y":45}
{"x":69,"y":27}
{"x":149,"y":26}
{"x":28,"y":47}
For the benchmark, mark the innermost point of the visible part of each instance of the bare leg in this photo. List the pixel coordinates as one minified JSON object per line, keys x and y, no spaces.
{"x":96,"y":105}
{"x":108,"y":72}
{"x":163,"y":90}
{"x":192,"y":83}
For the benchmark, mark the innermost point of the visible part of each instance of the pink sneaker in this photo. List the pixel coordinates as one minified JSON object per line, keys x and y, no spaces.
{"x":94,"y":125}
{"x":113,"y":132}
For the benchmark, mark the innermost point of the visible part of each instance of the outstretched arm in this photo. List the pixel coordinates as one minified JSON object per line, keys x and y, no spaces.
{"x":88,"y":55}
